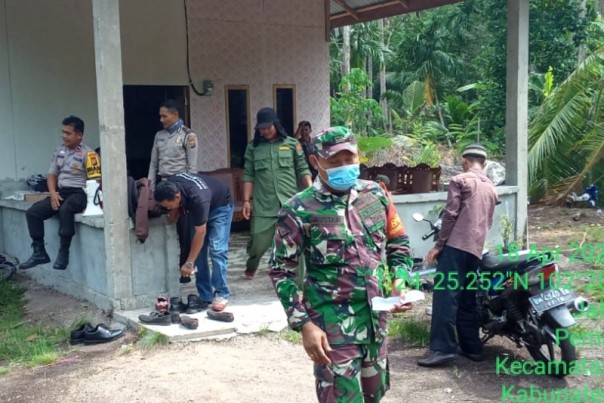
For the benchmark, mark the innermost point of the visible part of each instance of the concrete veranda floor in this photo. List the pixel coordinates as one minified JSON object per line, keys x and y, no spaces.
{"x":253,"y":303}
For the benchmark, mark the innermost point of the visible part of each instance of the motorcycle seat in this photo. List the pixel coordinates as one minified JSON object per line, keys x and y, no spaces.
{"x":498,"y":262}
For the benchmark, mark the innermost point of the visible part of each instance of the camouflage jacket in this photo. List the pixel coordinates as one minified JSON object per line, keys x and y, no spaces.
{"x":346,"y":247}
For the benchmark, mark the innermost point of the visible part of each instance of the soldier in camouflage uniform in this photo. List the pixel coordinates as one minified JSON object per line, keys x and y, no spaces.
{"x":347,"y":232}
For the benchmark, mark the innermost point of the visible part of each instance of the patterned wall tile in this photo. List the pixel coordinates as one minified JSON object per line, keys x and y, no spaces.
{"x":257,"y":43}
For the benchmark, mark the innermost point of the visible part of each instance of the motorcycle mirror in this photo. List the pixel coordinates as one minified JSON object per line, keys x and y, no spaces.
{"x":418,"y":217}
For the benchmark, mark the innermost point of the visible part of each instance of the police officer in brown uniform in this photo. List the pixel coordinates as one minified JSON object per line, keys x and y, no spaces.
{"x":175,"y":147}
{"x":174,"y":151}
{"x":66,"y":182}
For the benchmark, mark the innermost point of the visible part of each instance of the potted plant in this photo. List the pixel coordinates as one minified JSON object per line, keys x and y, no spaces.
{"x":423,"y":168}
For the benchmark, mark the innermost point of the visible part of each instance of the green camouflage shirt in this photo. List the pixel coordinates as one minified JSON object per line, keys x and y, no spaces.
{"x":346,"y":249}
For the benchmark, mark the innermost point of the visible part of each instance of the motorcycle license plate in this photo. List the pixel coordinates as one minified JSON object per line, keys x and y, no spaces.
{"x":551,"y":299}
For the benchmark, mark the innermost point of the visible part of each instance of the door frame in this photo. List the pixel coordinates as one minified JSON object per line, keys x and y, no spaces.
{"x":246,"y":88}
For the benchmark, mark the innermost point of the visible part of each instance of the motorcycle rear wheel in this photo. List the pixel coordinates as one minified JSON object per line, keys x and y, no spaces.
{"x":547,"y":353}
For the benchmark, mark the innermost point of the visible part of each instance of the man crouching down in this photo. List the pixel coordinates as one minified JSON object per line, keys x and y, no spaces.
{"x":343,"y":229}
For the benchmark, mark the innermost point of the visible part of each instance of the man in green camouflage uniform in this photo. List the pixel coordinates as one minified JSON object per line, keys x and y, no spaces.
{"x":347,"y":232}
{"x":273,"y":163}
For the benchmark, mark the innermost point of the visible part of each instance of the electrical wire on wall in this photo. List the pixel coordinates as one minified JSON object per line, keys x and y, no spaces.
{"x":195,"y":90}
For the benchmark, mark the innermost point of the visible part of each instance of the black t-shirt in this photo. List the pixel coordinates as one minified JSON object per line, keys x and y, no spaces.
{"x":200,"y":194}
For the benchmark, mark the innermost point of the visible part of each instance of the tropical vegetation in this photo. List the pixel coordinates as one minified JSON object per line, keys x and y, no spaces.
{"x":439,"y":77}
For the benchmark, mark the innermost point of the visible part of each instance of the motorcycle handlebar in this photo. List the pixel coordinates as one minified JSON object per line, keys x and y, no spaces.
{"x":428,"y":235}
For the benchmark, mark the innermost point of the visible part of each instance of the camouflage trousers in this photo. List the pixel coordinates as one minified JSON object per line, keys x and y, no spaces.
{"x":358,"y":373}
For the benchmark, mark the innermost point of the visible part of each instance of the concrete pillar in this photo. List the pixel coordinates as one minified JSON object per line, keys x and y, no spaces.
{"x":516,"y":115}
{"x":108,"y":54}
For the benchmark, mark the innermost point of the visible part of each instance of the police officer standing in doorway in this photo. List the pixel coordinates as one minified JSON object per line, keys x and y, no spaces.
{"x":66,"y":182}
{"x":273,"y":163}
{"x":174,"y":151}
{"x":175,"y":147}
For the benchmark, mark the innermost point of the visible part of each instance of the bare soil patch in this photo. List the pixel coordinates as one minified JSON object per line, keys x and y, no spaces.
{"x":267,"y":368}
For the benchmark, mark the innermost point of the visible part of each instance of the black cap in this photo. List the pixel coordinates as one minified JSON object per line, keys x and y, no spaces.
{"x":265,"y":118}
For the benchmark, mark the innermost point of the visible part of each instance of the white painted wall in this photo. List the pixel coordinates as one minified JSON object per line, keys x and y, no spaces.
{"x":47,"y":68}
{"x":46,"y":73}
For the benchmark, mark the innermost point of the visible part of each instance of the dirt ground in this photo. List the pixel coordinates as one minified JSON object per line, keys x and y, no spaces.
{"x":264,"y":368}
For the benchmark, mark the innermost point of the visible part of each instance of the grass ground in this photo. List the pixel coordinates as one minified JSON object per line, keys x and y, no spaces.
{"x":23,"y":344}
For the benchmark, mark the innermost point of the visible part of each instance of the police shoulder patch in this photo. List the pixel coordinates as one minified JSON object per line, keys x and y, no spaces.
{"x":191,"y":140}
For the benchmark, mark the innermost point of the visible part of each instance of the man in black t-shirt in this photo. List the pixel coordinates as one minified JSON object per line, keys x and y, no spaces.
{"x":208,"y":205}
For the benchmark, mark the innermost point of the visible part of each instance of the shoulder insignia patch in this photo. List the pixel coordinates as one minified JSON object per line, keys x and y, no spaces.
{"x":298,"y":147}
{"x":192,"y":141}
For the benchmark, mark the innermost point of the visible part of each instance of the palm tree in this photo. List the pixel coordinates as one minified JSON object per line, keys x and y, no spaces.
{"x":566,"y":136}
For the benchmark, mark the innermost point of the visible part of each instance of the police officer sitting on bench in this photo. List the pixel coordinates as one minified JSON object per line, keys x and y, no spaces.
{"x":66,"y":182}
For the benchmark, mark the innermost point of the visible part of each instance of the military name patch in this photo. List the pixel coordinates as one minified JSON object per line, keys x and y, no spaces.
{"x":325,"y":220}
{"x":372,"y":209}
{"x":283,"y":148}
{"x":364,"y":200}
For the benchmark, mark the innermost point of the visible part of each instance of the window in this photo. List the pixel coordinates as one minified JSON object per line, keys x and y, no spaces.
{"x":284,"y":101}
{"x":238,"y":122}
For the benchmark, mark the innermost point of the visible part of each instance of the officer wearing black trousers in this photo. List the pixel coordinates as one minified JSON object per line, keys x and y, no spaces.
{"x":66,"y":183}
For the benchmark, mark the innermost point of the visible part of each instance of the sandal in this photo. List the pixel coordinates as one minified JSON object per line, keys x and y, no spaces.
{"x":219,"y":304}
{"x":220,"y":316}
{"x":188,"y":322}
{"x":248,"y":274}
{"x":162,"y":304}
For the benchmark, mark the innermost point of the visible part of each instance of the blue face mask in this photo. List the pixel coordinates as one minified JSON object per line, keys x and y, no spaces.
{"x":344,"y":177}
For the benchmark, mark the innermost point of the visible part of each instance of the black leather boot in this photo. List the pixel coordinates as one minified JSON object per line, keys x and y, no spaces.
{"x":176,"y":305}
{"x":38,"y":257}
{"x":62,"y":259}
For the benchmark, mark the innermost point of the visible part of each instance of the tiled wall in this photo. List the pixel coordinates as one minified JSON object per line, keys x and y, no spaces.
{"x":257,"y":43}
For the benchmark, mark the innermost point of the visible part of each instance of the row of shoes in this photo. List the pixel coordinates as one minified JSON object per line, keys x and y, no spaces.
{"x":88,"y":334}
{"x":166,"y":318}
{"x":175,"y":304}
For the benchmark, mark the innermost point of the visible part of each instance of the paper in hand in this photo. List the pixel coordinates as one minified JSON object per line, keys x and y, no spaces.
{"x":386,"y":304}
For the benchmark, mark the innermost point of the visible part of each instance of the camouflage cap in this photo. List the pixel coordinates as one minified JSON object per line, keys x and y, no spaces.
{"x":333,"y":140}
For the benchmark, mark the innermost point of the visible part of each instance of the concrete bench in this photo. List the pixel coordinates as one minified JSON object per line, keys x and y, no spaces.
{"x":153,"y":268}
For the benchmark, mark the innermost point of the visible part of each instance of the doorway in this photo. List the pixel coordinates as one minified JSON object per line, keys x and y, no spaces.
{"x":141,"y":120}
{"x":284,"y":101}
{"x":238,"y":122}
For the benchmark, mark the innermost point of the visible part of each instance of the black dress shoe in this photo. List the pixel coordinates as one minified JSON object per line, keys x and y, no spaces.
{"x":102,"y":334}
{"x":435,"y":358}
{"x":156,"y":318}
{"x":476,"y":357}
{"x":62,"y":259}
{"x":194,"y":304}
{"x":77,"y":335}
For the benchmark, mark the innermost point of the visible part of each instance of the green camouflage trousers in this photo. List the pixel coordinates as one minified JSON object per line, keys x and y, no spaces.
{"x":358,"y":373}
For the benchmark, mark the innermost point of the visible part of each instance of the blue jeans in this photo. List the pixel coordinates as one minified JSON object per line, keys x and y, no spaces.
{"x":218,"y":232}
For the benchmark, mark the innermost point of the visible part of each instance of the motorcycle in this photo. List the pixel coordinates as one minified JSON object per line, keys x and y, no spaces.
{"x":519,"y":297}
{"x":590,"y":196}
{"x":7,"y":269}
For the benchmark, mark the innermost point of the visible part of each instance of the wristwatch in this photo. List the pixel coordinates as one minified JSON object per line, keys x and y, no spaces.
{"x":189,"y":264}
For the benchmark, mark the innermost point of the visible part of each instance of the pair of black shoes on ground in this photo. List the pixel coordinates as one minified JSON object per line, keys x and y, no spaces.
{"x":88,"y":334}
{"x":194,"y":304}
{"x":41,"y":257}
